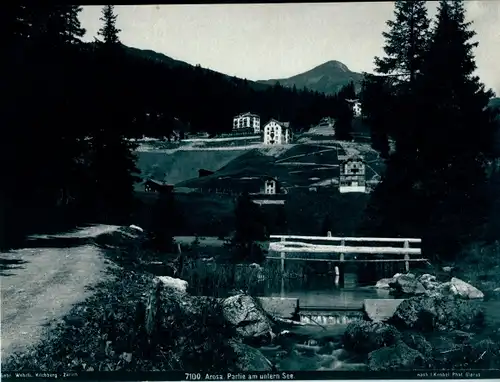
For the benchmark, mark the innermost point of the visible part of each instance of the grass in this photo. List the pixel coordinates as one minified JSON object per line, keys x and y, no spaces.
{"x":107,"y":331}
{"x":480,"y":265}
{"x":181,"y":165}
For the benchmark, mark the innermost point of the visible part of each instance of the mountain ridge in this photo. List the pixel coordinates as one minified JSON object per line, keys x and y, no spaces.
{"x":326,"y":78}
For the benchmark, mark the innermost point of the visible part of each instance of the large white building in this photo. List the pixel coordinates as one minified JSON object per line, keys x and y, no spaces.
{"x":356,"y":106}
{"x":277,"y":133}
{"x":247,"y":121}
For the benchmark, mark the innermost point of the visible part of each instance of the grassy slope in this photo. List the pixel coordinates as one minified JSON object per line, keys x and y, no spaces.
{"x":345,"y":210}
{"x":181,"y":165}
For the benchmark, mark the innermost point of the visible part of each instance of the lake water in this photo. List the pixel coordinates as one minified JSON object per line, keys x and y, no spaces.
{"x":321,"y":291}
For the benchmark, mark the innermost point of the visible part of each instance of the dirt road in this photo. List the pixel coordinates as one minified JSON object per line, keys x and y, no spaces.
{"x":40,"y":285}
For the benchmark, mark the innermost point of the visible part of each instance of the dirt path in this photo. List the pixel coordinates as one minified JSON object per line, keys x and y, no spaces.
{"x":40,"y":285}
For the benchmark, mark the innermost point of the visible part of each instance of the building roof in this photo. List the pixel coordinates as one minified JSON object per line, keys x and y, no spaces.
{"x":353,"y":158}
{"x":156,"y":182}
{"x":247,"y":114}
{"x":286,"y":125}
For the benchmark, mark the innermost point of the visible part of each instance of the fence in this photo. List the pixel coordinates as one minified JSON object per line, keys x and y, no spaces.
{"x":298,"y":244}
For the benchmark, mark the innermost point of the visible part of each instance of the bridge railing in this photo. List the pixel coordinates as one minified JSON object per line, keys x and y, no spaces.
{"x":298,"y":244}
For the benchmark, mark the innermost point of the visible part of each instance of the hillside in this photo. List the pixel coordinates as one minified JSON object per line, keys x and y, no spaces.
{"x":327,"y":78}
{"x":310,"y":163}
{"x":173,"y":63}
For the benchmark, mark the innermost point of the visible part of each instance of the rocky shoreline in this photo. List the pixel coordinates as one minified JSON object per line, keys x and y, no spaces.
{"x":439,"y":325}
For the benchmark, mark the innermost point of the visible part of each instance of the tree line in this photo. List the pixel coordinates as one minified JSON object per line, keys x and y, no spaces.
{"x":426,"y":98}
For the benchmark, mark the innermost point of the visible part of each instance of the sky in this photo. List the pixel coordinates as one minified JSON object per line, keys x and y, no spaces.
{"x":264,"y":41}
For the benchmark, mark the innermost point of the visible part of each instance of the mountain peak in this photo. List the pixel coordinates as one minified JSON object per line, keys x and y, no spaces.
{"x":327,"y":78}
{"x":333,"y":64}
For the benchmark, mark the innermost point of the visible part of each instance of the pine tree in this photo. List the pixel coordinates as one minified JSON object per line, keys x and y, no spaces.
{"x":164,"y":221}
{"x":74,"y":30}
{"x":344,"y":114}
{"x":109,"y":32}
{"x":377,"y":99}
{"x":250,"y":227}
{"x":438,"y":170}
{"x":406,"y":41}
{"x":113,"y":161}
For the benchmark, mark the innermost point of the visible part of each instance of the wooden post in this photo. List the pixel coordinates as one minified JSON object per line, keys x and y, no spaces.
{"x":342,"y":266}
{"x":282,"y":294}
{"x":407,"y":257}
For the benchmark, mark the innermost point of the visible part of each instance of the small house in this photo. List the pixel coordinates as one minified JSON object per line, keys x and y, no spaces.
{"x":277,"y":133}
{"x":152,"y":185}
{"x":352,"y":175}
{"x":248,"y":121}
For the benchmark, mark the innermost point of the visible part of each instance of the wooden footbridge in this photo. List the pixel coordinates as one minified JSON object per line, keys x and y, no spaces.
{"x":342,"y":250}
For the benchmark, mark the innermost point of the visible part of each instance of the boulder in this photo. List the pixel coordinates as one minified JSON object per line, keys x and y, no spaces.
{"x":418,"y":342}
{"x":173,"y":283}
{"x":379,"y":309}
{"x":464,"y":290}
{"x":395,"y":357}
{"x":407,"y":285}
{"x":366,"y":336}
{"x":437,"y":313}
{"x":249,"y":359}
{"x":384,"y":283}
{"x":429,"y":282}
{"x":248,"y":318}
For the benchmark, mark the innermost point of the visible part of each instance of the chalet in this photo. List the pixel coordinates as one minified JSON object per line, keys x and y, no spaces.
{"x":152,"y":185}
{"x":326,"y":122}
{"x":356,"y":106}
{"x":202,"y":172}
{"x":352,"y":175}
{"x":277,"y":133}
{"x":248,"y":121}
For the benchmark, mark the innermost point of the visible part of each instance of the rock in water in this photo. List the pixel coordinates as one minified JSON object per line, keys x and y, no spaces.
{"x":396,"y":357}
{"x":464,"y":290}
{"x":366,"y":336}
{"x":250,"y":321}
{"x":380,"y":310}
{"x":170,"y":282}
{"x":437,"y":313}
{"x":384,"y":283}
{"x":407,"y":285}
{"x":249,"y":359}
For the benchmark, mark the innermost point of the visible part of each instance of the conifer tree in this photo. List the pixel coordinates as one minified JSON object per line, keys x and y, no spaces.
{"x":109,"y":32}
{"x":406,"y":41}
{"x":113,"y":160}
